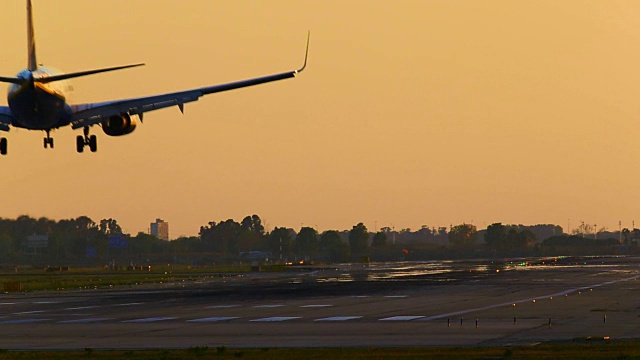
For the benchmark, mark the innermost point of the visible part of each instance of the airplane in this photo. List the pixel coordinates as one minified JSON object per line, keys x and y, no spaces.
{"x":37,"y":100}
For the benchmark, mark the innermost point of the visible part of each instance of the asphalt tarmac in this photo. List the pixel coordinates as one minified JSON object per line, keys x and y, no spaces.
{"x":461,"y":303}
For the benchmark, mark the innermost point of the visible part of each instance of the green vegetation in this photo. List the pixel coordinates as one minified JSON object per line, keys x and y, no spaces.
{"x":614,"y":350}
{"x":81,"y":242}
{"x":31,"y":279}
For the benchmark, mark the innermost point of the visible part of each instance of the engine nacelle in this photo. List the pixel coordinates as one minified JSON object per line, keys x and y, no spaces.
{"x":119,"y":125}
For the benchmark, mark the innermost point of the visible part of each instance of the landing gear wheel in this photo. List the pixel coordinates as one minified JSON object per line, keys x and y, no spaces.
{"x":93,"y":143}
{"x":48,"y":142}
{"x":80,"y":143}
{"x":3,"y":146}
{"x":87,"y":140}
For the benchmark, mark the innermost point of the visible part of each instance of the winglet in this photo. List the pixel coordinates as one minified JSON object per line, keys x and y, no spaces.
{"x":306,"y":54}
{"x":31,"y":39}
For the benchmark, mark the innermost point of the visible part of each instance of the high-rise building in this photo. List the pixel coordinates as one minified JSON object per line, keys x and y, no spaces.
{"x":160,"y":229}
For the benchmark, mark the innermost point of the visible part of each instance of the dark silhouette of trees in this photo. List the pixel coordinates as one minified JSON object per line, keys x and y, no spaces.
{"x":306,"y":242}
{"x":379,"y":240}
{"x":82,"y":241}
{"x":359,"y":240}
{"x":333,"y":248}
{"x":280,"y":243}
{"x":463,"y":237}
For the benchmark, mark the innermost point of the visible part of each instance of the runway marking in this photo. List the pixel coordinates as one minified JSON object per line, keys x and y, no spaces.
{"x":396,"y":296}
{"x":83,"y":321}
{"x":402,"y":318}
{"x":268,"y":306}
{"x":149,"y":320}
{"x":276,"y":318}
{"x":339,"y":318}
{"x":221,"y":306}
{"x":214,"y":319}
{"x":510,"y":303}
{"x":30,"y":312}
{"x":361,"y":296}
{"x":23,"y":321}
{"x":316,"y":306}
{"x":81,"y":308}
{"x":7,"y":303}
{"x":129,"y":304}
{"x":45,"y":302}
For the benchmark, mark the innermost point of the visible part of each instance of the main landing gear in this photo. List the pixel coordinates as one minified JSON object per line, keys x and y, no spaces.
{"x":3,"y":146}
{"x":48,"y":141}
{"x":86,"y":140}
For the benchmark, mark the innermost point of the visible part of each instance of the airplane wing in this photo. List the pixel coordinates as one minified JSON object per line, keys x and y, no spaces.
{"x":91,"y":114}
{"x":5,"y":118}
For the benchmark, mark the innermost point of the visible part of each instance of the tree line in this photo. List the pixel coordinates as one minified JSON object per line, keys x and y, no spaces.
{"x":84,"y":241}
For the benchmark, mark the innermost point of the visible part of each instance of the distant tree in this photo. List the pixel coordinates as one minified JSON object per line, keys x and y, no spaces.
{"x":463,"y":236}
{"x":495,"y":236}
{"x":359,"y":240}
{"x":626,"y":235}
{"x":110,"y":227}
{"x":306,"y":242}
{"x":253,"y":223}
{"x":251,"y":236}
{"x":222,"y":237}
{"x":332,"y":245}
{"x":280,"y":243}
{"x":379,"y":240}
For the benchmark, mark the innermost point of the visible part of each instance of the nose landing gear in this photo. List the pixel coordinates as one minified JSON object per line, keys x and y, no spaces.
{"x":3,"y":146}
{"x":48,"y":141}
{"x":86,"y":140}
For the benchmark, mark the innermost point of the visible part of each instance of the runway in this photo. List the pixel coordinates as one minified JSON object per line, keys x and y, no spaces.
{"x":401,"y":304}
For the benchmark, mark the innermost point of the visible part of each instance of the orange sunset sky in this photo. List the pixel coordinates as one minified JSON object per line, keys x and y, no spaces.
{"x":410,"y":113}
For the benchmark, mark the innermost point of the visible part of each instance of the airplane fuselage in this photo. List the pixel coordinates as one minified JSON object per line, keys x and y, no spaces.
{"x":38,"y":106}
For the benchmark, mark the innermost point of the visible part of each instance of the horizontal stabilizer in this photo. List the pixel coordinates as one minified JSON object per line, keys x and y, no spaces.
{"x":44,"y":80}
{"x":82,"y":73}
{"x":12,"y":80}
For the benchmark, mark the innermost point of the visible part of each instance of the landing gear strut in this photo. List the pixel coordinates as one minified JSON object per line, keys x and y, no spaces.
{"x":3,"y":146}
{"x":86,"y":140}
{"x":48,"y":141}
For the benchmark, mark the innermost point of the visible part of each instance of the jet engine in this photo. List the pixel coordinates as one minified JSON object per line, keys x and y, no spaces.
{"x":119,"y":125}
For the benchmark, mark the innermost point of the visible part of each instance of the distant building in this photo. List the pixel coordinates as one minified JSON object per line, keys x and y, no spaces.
{"x":160,"y":229}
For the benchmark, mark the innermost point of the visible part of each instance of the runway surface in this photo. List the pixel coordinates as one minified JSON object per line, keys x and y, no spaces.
{"x":395,"y":304}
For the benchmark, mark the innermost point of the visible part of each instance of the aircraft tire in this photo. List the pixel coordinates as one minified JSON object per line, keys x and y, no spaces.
{"x":3,"y":146}
{"x":93,"y":143}
{"x":80,"y":143}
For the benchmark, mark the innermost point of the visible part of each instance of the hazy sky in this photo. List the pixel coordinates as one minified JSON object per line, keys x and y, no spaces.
{"x":410,"y":113}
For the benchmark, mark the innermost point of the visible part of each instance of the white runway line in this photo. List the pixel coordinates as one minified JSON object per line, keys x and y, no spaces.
{"x":315,"y":306}
{"x":221,"y":306}
{"x":30,"y":312}
{"x":267,"y":306}
{"x":510,"y":303}
{"x":396,"y":296}
{"x":128,"y":304}
{"x":45,"y":302}
{"x":361,"y":296}
{"x":149,"y":320}
{"x":402,"y":318}
{"x":83,"y":321}
{"x":7,"y":303}
{"x":213,"y":319}
{"x":81,"y":308}
{"x":23,"y":321}
{"x":339,"y":318}
{"x":276,"y":319}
